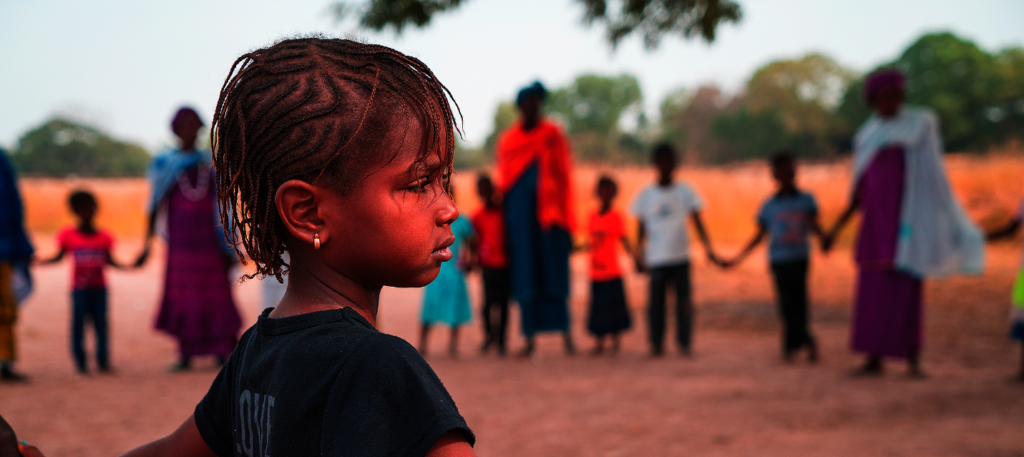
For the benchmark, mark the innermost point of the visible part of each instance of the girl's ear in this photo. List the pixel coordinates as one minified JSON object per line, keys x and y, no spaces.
{"x":298,"y":206}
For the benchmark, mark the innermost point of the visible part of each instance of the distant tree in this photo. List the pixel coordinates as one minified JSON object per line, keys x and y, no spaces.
{"x":686,"y":120}
{"x":1007,"y":113}
{"x":61,"y":147}
{"x":650,"y":18}
{"x":592,"y":108}
{"x":747,"y":135}
{"x":968,"y":88}
{"x":802,"y":94}
{"x":470,"y":158}
{"x":595,"y":103}
{"x":504,"y":116}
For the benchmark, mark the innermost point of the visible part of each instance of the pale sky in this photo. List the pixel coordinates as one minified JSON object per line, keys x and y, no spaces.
{"x":126,"y":65}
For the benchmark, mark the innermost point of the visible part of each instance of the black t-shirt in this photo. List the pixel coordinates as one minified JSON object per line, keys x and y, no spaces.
{"x":325,"y":383}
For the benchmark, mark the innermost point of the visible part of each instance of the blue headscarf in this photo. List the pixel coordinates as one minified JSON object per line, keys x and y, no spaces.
{"x":535,"y":89}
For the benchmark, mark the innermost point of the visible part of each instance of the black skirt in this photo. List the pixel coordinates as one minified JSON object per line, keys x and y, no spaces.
{"x":608,"y":311}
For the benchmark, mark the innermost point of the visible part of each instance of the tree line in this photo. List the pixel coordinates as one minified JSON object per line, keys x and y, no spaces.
{"x":810,"y":105}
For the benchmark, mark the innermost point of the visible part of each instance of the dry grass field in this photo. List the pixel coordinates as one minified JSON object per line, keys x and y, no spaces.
{"x":990,"y":186}
{"x":733,"y":398}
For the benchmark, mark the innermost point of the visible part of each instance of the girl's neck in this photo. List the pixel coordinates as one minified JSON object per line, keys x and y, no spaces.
{"x":605,"y":207}
{"x":86,"y":227}
{"x":322,"y":288}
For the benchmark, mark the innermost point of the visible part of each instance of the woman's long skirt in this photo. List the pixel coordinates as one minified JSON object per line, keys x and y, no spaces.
{"x":197,"y":307}
{"x":538,"y":261}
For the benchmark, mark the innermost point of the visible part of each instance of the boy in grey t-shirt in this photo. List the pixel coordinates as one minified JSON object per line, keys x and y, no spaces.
{"x":788,"y":217}
{"x":662,"y":210}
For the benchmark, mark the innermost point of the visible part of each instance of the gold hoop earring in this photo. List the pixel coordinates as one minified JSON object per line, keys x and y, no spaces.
{"x":316,"y":240}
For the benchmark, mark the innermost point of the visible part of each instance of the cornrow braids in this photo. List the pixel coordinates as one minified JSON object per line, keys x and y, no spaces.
{"x":314,"y":109}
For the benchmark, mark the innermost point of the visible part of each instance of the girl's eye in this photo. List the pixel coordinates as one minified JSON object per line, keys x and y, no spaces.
{"x":420,"y":185}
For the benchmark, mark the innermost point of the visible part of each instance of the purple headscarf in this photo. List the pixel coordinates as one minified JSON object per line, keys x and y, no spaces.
{"x":184,"y":114}
{"x":881,"y":80}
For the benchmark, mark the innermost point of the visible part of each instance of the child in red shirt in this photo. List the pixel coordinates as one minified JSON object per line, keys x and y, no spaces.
{"x":90,"y":249}
{"x":609,"y":314}
{"x":489,"y":223}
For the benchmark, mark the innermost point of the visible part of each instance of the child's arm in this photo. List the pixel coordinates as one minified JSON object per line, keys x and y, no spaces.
{"x":186,"y":440}
{"x":754,"y":242}
{"x":115,"y":264}
{"x":626,"y":246}
{"x":830,"y":237}
{"x":638,"y":255}
{"x":451,"y":444}
{"x":1006,"y":231}
{"x":703,"y":234}
{"x":52,"y":260}
{"x":148,"y":241}
{"x":470,"y":259}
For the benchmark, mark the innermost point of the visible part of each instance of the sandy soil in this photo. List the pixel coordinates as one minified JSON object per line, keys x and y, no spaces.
{"x":735,"y":397}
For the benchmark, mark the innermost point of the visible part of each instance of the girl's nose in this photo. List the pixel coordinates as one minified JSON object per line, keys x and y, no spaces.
{"x":448,"y":212}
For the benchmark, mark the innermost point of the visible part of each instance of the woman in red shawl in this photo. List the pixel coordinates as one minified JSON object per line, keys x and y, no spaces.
{"x":535,"y":167}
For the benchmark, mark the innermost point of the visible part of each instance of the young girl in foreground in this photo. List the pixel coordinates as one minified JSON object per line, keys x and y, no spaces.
{"x":339,"y":153}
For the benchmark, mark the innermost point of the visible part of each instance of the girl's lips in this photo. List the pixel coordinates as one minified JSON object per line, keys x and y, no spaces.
{"x":444,"y":254}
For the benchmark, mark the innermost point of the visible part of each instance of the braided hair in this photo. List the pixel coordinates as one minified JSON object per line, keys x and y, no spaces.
{"x":314,"y":109}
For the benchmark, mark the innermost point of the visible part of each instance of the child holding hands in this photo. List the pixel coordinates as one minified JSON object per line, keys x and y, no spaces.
{"x":787,"y":218}
{"x":663,"y":246}
{"x":609,"y":314}
{"x":90,"y":248}
{"x":492,"y":257}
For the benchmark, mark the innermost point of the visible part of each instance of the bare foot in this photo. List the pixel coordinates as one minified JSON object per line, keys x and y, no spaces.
{"x":812,"y":353}
{"x":916,"y":373}
{"x":868,"y":370}
{"x":9,"y":375}
{"x":527,"y":352}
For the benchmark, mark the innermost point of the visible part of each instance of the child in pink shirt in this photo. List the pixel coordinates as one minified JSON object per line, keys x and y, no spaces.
{"x":90,"y":249}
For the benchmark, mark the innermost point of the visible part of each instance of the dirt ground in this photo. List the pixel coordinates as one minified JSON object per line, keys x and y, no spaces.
{"x":734,"y":397}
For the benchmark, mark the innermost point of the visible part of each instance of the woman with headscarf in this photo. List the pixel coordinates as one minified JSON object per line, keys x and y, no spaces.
{"x":534,"y":168}
{"x":197,"y":307}
{"x":911,"y":224}
{"x":15,"y":253}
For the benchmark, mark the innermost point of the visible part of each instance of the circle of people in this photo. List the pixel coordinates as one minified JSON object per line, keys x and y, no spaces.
{"x":911,"y":228}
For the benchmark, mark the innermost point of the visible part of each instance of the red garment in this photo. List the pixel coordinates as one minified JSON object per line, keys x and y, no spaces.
{"x":90,"y":252}
{"x":489,"y":224}
{"x":605,"y":232}
{"x":547,"y":146}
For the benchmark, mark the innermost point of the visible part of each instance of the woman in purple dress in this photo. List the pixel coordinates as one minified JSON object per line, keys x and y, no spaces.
{"x":911,"y":225}
{"x":197,"y":307}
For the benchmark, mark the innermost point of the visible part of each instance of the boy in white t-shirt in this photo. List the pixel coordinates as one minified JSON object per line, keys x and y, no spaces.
{"x":662,"y":209}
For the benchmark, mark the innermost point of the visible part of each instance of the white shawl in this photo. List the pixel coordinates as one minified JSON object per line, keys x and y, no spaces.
{"x":936,"y":237}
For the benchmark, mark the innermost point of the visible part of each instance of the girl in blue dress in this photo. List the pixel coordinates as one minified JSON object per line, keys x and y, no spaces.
{"x":446,"y":301}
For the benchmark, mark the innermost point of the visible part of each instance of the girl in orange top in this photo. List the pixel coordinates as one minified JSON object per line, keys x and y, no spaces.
{"x":609,"y":314}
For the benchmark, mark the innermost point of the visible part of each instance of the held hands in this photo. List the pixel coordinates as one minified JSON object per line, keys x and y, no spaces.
{"x":638,"y":259}
{"x":141,"y":260}
{"x":827,"y":241}
{"x":714,"y":259}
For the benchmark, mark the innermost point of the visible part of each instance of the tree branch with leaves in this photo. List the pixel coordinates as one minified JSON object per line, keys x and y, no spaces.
{"x":652,"y":19}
